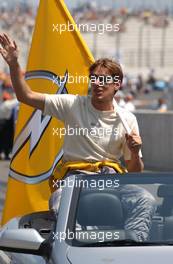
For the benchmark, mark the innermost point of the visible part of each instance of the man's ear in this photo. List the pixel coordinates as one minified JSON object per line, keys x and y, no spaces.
{"x":117,"y":87}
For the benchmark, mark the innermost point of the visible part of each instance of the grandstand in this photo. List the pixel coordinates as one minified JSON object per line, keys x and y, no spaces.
{"x":139,"y":47}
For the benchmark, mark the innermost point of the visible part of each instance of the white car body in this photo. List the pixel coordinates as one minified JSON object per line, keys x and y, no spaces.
{"x":33,"y":238}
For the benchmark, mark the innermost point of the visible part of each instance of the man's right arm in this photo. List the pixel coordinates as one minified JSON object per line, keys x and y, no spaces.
{"x":24,"y":94}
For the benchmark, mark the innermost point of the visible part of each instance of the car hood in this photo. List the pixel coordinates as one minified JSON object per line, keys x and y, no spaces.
{"x":120,"y":255}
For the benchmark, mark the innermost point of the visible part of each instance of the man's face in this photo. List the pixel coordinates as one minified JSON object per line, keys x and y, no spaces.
{"x":103,"y":85}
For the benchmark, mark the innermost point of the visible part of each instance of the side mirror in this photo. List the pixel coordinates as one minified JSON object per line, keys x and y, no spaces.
{"x":26,"y":241}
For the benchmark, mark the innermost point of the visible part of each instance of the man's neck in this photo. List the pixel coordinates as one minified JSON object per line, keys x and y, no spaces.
{"x":102,"y":106}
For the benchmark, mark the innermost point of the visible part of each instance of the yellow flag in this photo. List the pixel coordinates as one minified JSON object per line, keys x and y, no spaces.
{"x":57,"y":51}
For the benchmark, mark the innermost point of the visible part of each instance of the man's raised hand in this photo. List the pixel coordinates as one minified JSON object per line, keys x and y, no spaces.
{"x":9,"y":50}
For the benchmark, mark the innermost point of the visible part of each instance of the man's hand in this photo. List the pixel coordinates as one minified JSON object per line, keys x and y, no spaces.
{"x":9,"y":50}
{"x":134,"y":143}
{"x":24,"y":94}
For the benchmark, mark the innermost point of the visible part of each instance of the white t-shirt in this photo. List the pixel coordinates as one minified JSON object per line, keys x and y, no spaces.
{"x":90,"y":134}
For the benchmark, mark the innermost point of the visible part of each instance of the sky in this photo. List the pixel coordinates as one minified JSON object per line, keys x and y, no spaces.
{"x":155,"y":4}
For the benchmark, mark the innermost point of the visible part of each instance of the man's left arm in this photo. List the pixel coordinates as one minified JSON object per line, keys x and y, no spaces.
{"x":134,"y":143}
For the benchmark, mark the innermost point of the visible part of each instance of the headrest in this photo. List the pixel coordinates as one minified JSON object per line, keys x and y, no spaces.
{"x":165,"y":190}
{"x":100,"y":209}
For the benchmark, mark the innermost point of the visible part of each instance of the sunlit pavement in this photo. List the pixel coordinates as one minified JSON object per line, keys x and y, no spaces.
{"x":4,"y":167}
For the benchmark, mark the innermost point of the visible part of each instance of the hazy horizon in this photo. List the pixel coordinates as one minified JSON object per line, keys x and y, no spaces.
{"x":134,"y":4}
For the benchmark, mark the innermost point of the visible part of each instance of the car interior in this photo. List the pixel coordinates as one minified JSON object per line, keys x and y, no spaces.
{"x":102,"y":210}
{"x":162,"y":222}
{"x":106,"y":213}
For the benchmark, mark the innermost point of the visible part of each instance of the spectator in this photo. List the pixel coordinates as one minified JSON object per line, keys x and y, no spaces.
{"x":129,"y":105}
{"x":151,"y":78}
{"x":7,"y":110}
{"x":162,"y":106}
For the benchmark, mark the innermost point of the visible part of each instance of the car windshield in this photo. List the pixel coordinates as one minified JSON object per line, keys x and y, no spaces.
{"x":117,"y":210}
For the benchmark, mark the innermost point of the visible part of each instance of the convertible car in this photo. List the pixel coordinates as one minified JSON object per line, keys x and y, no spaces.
{"x":89,"y":225}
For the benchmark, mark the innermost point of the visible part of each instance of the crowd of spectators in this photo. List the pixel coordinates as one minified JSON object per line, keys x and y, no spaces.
{"x":150,"y":93}
{"x":87,"y":12}
{"x":18,"y":21}
{"x":15,"y":18}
